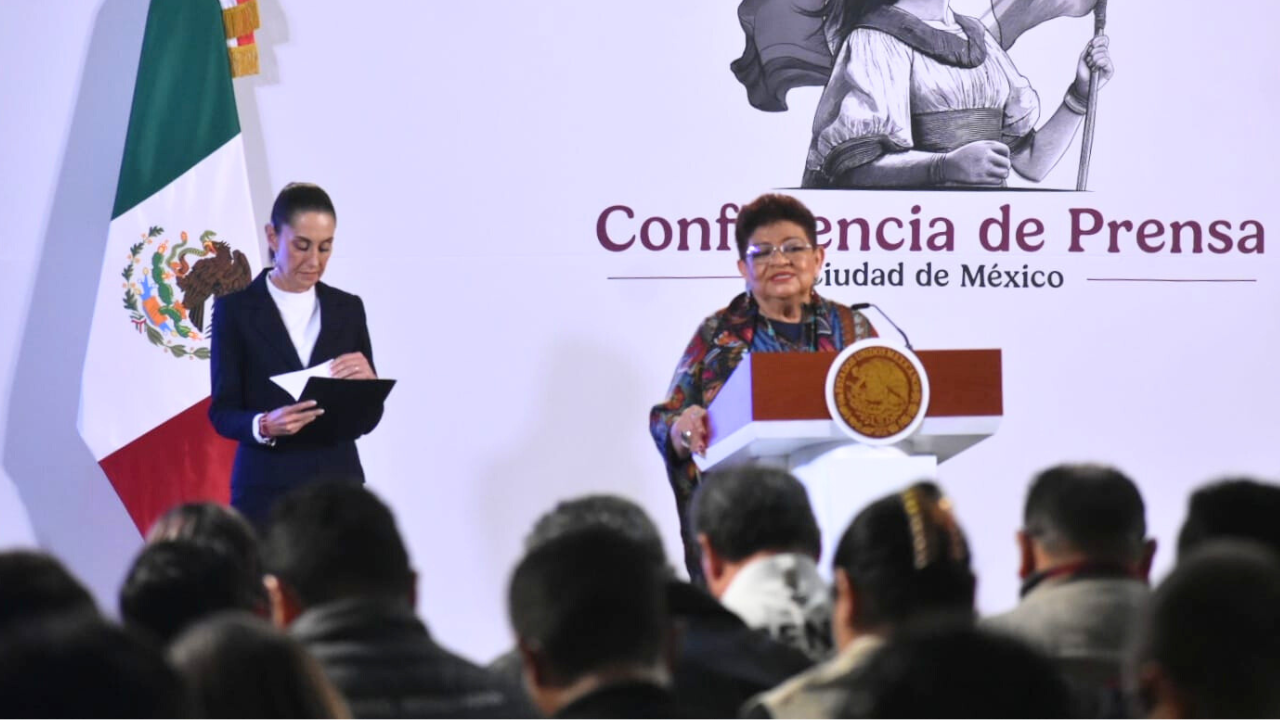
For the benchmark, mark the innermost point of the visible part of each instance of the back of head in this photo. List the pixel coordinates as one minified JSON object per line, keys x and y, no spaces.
{"x":599,"y":512}
{"x":336,"y":541}
{"x":34,"y":584}
{"x":236,"y":665}
{"x":755,"y":509}
{"x":209,"y":523}
{"x":176,"y":582}
{"x":212,"y":523}
{"x":1236,"y":508}
{"x":906,"y":556}
{"x":81,"y":666}
{"x":1213,"y":634}
{"x":956,"y":670}
{"x":1089,"y":510}
{"x":588,"y":601}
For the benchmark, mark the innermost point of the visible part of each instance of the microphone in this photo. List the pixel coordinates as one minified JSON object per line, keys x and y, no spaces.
{"x":864,"y":305}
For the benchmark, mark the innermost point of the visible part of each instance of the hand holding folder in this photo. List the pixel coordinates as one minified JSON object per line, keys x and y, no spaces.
{"x":348,"y":405}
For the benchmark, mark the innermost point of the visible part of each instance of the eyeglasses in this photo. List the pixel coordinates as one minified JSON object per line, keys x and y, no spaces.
{"x":762,"y":254}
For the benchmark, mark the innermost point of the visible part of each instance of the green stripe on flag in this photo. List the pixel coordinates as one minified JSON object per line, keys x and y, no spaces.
{"x":183,"y":105}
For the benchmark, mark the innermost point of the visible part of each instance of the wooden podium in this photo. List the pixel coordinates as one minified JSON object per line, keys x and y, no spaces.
{"x":773,"y":410}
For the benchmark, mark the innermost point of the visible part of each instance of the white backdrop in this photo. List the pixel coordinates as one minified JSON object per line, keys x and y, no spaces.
{"x":471,"y":148}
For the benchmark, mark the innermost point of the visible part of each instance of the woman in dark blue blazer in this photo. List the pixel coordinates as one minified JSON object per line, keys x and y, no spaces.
{"x":287,"y":320}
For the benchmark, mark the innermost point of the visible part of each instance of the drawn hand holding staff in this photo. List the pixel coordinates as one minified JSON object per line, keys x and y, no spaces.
{"x":920,"y":96}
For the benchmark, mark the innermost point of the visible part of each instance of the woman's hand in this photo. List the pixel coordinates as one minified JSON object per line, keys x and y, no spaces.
{"x":352,"y":366}
{"x":689,"y":431}
{"x":1095,"y":58}
{"x":288,"y":420}
{"x":983,"y":162}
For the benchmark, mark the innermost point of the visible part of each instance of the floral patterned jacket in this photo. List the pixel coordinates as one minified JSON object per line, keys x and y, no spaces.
{"x":714,"y":353}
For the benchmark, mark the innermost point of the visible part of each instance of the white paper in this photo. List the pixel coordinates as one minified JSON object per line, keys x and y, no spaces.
{"x":295,"y":382}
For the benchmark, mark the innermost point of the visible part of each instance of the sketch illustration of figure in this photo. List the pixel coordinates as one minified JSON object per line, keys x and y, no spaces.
{"x":915,"y":94}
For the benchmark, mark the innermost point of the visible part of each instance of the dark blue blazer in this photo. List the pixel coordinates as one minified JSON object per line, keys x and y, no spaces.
{"x":249,"y":345}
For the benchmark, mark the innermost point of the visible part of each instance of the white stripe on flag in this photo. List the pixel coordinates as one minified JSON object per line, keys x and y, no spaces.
{"x":131,"y":385}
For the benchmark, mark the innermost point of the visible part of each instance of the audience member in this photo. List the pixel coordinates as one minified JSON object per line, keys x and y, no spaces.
{"x":1234,"y":508}
{"x":210,"y":523}
{"x":604,"y":629}
{"x":238,"y":666}
{"x":78,"y":665}
{"x":340,"y":580}
{"x":902,"y":559}
{"x":591,"y":512}
{"x":760,"y":545}
{"x":720,"y":662}
{"x":1084,"y":565}
{"x":589,"y":613}
{"x":33,"y":585}
{"x":176,"y":582}
{"x":1210,"y":646}
{"x":954,"y":670}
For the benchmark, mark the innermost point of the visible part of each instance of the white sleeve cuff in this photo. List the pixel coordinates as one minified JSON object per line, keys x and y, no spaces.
{"x":257,"y":422}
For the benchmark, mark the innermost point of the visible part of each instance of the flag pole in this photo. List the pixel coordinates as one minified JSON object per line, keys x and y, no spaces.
{"x":1090,"y":118}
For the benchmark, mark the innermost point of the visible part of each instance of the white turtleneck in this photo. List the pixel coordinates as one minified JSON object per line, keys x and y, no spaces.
{"x":301,"y":315}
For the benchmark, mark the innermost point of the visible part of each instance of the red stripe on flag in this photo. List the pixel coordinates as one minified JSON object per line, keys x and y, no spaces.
{"x":182,"y":460}
{"x":244,"y":39}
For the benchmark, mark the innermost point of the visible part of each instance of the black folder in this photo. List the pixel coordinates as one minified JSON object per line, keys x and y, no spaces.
{"x":347,"y":406}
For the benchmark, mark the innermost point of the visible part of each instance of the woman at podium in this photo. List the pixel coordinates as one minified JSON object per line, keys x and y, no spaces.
{"x":284,"y":321}
{"x":779,"y":258}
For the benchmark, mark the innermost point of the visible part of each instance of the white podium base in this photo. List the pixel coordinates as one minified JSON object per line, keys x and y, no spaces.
{"x":843,"y":479}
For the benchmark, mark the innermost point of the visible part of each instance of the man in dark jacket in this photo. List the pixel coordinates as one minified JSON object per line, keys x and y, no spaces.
{"x":590,"y":617}
{"x":760,"y":546}
{"x":1209,"y":645}
{"x":719,"y":661}
{"x":339,"y":579}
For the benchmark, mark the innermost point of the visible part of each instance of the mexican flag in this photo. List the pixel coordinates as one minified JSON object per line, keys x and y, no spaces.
{"x":182,"y":232}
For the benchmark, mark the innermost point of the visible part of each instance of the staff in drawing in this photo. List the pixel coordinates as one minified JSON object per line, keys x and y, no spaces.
{"x":1091,"y":117}
{"x":915,"y":94}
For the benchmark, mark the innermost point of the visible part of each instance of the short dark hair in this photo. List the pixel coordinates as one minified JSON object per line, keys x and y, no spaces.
{"x":747,"y":510}
{"x":34,"y":584}
{"x":589,"y":600}
{"x":296,"y":198}
{"x":769,"y":209}
{"x":82,"y":666}
{"x":595,"y":512}
{"x":1213,"y":627}
{"x":907,"y":557}
{"x":940,"y":669}
{"x":236,"y":665}
{"x":173,"y":583}
{"x":332,"y":541}
{"x":1232,"y":508}
{"x":1091,"y":509}
{"x":210,"y":523}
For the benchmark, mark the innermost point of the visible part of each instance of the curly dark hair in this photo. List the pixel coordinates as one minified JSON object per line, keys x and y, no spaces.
{"x":767,"y":210}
